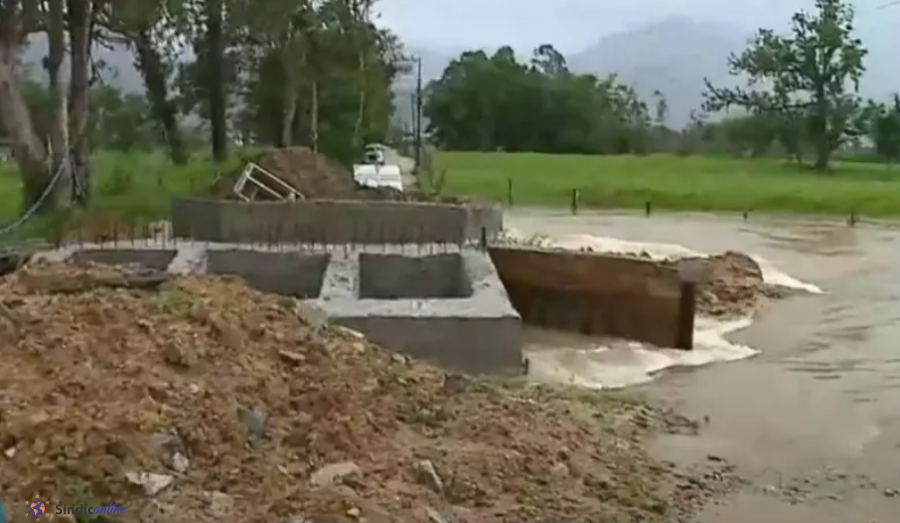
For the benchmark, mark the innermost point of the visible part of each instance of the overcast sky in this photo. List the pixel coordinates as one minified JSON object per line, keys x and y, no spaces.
{"x":572,"y":25}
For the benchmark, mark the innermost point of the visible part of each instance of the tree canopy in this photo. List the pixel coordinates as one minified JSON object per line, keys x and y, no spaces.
{"x":495,"y":102}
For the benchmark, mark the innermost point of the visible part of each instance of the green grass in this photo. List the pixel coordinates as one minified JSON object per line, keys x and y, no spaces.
{"x":676,"y":183}
{"x":140,"y":186}
{"x":135,"y":186}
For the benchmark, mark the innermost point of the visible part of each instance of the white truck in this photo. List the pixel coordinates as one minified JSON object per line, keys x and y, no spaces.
{"x":374,"y":172}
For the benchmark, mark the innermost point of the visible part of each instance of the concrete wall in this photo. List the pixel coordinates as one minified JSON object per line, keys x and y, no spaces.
{"x":394,"y":276}
{"x":325,"y":221}
{"x":476,"y":333}
{"x":479,"y":333}
{"x":156,"y":259}
{"x":473,"y":345}
{"x":597,"y":295}
{"x":299,"y":275}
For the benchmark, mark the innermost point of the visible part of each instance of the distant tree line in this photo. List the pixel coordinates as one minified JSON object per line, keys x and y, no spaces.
{"x":801,"y":102}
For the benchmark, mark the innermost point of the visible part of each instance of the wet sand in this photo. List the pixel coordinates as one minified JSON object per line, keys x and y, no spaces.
{"x":814,"y":420}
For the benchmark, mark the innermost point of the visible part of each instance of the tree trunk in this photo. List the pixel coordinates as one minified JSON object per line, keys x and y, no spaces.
{"x":215,"y":47}
{"x":361,"y":110}
{"x":288,"y":98}
{"x":288,"y":110}
{"x":150,"y":63}
{"x":80,"y":25}
{"x":28,"y":149}
{"x":63,"y":190}
{"x":314,"y":124}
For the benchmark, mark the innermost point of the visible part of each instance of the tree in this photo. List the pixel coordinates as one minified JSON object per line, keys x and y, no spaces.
{"x":662,"y":108}
{"x":68,"y":28}
{"x":881,"y":123}
{"x":147,"y":27}
{"x":812,"y":74}
{"x":494,"y":102}
{"x":318,"y":61}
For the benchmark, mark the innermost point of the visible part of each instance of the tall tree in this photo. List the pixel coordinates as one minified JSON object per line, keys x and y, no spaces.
{"x":68,"y":66}
{"x":813,"y":72}
{"x":493,"y":102}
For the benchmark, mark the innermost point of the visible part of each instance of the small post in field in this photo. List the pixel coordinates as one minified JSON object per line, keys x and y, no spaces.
{"x":853,"y":218}
{"x":509,"y":192}
{"x":647,"y":209}
{"x":576,"y":196}
{"x":482,"y":243}
{"x":746,"y":215}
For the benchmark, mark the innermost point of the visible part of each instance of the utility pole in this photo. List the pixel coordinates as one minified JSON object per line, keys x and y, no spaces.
{"x":418,"y":116}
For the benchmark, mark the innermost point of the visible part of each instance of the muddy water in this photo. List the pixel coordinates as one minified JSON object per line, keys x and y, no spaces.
{"x":814,"y":419}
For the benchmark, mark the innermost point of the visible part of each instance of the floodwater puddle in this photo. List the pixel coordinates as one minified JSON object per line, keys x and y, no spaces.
{"x":808,"y":406}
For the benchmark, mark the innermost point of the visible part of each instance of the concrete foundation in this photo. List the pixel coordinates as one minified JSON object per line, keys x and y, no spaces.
{"x":299,"y":275}
{"x":335,"y":222}
{"x":395,"y":276}
{"x":156,"y":259}
{"x":440,"y":304}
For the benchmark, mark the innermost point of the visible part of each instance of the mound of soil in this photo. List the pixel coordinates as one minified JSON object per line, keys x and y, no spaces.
{"x":314,"y":176}
{"x":201,"y":400}
{"x":735,"y":287}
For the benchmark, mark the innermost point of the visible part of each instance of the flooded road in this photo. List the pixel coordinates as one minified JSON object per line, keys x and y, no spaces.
{"x":814,"y":419}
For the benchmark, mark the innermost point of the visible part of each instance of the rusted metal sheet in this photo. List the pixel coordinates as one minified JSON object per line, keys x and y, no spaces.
{"x":597,"y":294}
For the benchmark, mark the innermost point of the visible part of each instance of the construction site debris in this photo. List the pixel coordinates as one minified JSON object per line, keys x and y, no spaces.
{"x":734,"y":288}
{"x":202,"y":400}
{"x":314,"y":176}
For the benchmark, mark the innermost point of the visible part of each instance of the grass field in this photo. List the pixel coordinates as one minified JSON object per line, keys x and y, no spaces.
{"x":136,"y":185}
{"x":142,"y":184}
{"x":675,"y":183}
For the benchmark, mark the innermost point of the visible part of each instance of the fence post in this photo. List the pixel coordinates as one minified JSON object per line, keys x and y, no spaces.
{"x":576,"y":196}
{"x":509,"y":192}
{"x":687,"y":304}
{"x":647,"y":208}
{"x":483,"y":242}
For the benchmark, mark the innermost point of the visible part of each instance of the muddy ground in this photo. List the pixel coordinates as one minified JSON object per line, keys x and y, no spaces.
{"x":199,"y":399}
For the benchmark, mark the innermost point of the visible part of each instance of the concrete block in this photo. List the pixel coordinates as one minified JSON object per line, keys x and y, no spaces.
{"x":335,"y":221}
{"x":475,"y":331}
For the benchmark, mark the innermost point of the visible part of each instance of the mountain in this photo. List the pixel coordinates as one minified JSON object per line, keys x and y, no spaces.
{"x":119,"y":68}
{"x":671,"y":56}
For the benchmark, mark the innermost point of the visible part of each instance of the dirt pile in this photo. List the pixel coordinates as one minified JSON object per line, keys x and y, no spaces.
{"x":735,"y":287}
{"x":200,"y":400}
{"x":313,"y":175}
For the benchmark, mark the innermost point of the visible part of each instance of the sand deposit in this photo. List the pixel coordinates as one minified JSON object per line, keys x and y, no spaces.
{"x":735,"y":287}
{"x":201,"y":400}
